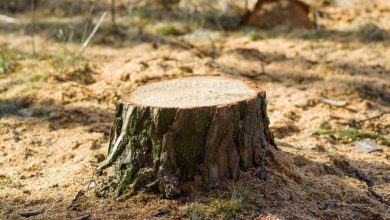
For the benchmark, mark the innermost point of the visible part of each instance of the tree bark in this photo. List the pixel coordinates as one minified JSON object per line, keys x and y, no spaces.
{"x":158,"y":147}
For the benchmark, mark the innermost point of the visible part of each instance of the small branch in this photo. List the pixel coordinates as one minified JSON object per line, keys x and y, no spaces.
{"x":30,"y":213}
{"x":76,"y":199}
{"x":374,"y":117}
{"x":85,"y":44}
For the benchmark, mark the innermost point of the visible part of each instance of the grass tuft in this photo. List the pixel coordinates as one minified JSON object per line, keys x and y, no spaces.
{"x":228,"y":208}
{"x":196,"y":213}
{"x":254,"y":35}
{"x":168,"y":30}
{"x":351,"y":134}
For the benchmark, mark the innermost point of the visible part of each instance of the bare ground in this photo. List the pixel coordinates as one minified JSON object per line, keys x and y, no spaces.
{"x":56,"y":110}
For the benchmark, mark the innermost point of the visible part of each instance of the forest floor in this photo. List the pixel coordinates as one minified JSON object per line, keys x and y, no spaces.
{"x":56,"y":109}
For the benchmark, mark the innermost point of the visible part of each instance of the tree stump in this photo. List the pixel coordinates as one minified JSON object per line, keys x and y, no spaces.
{"x":171,"y":131}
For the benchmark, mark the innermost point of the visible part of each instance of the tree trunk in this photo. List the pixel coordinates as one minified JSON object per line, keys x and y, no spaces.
{"x":174,"y":130}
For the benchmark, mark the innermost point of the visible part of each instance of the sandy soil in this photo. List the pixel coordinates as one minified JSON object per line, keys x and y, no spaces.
{"x":57,"y":108}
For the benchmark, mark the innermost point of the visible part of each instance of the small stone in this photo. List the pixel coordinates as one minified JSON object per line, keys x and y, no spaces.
{"x":367,"y":146}
{"x":52,"y":114}
{"x":92,"y":185}
{"x":25,"y":112}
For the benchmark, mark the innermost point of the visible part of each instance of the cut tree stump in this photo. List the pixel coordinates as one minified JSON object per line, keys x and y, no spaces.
{"x":171,"y":131}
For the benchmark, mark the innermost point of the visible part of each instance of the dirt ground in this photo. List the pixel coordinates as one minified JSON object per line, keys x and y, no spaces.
{"x":56,"y":109}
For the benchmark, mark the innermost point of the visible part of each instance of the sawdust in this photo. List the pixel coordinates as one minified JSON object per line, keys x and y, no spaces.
{"x":47,"y":158}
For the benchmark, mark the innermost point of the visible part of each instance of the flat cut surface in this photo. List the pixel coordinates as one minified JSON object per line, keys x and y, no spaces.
{"x":192,"y":92}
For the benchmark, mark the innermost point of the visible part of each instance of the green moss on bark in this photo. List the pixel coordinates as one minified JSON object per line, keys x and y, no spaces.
{"x":153,"y":146}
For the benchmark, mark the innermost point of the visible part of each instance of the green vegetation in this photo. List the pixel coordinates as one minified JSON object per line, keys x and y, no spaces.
{"x":4,"y":65}
{"x":220,"y":207}
{"x":168,"y":30}
{"x":68,"y":59}
{"x":4,"y":180}
{"x":254,"y":35}
{"x":351,"y":134}
{"x":228,"y":208}
{"x":196,"y":213}
{"x":36,"y":77}
{"x":8,"y":62}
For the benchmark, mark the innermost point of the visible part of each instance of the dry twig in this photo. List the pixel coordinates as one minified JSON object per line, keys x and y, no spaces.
{"x":374,"y":117}
{"x":85,"y":44}
{"x":30,"y":213}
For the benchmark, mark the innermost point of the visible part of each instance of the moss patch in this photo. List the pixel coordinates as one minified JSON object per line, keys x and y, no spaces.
{"x":351,"y":134}
{"x":168,"y":30}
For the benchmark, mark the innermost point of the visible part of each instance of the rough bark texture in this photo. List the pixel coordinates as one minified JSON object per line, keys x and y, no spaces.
{"x":154,"y":147}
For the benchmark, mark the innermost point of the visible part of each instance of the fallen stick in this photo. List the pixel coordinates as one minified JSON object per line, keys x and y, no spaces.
{"x":85,"y":44}
{"x":374,"y":117}
{"x":30,"y":213}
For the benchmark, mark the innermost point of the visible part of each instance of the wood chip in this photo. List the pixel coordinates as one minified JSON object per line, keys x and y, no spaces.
{"x":367,"y":145}
{"x":338,"y":103}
